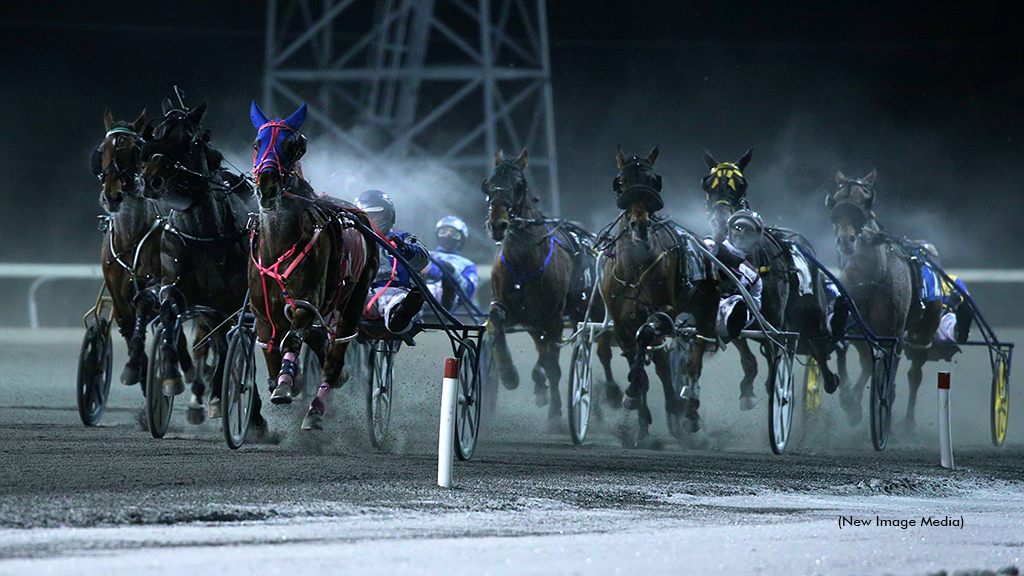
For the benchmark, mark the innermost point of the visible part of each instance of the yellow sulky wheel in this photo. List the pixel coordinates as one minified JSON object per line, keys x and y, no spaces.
{"x":812,"y":389}
{"x":1000,"y":401}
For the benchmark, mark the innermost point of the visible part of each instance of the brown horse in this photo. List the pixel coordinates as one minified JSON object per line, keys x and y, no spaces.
{"x":310,"y":268}
{"x":131,"y":245}
{"x":651,"y":276}
{"x":793,"y":296}
{"x":878,"y":271}
{"x":541,"y":275}
{"x":204,"y":251}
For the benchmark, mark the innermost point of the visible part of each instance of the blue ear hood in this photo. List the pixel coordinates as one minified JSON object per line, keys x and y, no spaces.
{"x":258,"y":117}
{"x":297,"y":119}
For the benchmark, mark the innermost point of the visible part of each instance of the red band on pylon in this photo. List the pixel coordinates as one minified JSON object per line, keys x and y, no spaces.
{"x":943,"y":380}
{"x":451,"y":368}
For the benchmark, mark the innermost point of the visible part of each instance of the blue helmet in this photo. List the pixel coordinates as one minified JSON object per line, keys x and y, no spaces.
{"x":379,"y":207}
{"x":451,"y":233}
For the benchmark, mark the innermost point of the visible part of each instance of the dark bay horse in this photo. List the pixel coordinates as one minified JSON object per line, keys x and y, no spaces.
{"x":310,"y":268}
{"x":651,"y":276}
{"x":542,"y":274}
{"x":131,"y":245}
{"x":204,"y":250}
{"x":879,"y":272}
{"x":793,"y":296}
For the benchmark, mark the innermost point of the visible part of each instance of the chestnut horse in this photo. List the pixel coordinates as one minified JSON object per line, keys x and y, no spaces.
{"x":131,"y":245}
{"x":310,"y":267}
{"x":542,"y":274}
{"x":651,"y":277}
{"x":882,"y":277}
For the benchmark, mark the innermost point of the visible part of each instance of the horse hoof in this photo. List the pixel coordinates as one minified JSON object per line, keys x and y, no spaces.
{"x":510,"y":380}
{"x":692,"y":425}
{"x":830,"y":382}
{"x":173,"y":386}
{"x":541,"y":397}
{"x":282,"y":395}
{"x":313,"y":420}
{"x":630,"y":402}
{"x":747,"y":403}
{"x":130,"y":375}
{"x":213,"y":409}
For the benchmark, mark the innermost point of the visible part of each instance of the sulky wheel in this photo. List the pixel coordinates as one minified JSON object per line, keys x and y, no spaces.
{"x":239,"y":394}
{"x":812,"y":387}
{"x":1000,"y":399}
{"x":581,"y":378}
{"x":883,"y":394}
{"x":158,"y":406}
{"x":468,"y":404}
{"x":94,"y":364}
{"x":780,"y":402}
{"x":488,"y":378}
{"x":380,"y":392}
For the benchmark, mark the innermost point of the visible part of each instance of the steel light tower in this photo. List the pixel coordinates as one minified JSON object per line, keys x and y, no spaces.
{"x":399,"y":80}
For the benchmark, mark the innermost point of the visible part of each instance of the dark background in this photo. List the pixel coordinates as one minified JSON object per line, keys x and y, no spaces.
{"x":928,"y":94}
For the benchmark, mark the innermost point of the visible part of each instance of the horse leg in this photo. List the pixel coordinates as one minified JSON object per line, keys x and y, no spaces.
{"x":612,"y":392}
{"x":749,"y":363}
{"x":170,"y":319}
{"x":549,"y":352}
{"x":690,"y":393}
{"x":506,"y":369}
{"x":291,"y":344}
{"x":638,"y":381}
{"x":643,"y":415}
{"x":146,"y":308}
{"x":220,"y":342}
{"x":539,"y":374}
{"x":334,"y":361}
{"x":914,"y":377}
{"x":673,"y":406}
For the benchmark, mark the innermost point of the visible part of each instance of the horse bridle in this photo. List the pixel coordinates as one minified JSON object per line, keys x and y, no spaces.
{"x":511,"y":197}
{"x":123,"y":173}
{"x":727,"y":174}
{"x":848,"y":184}
{"x":651,"y":195}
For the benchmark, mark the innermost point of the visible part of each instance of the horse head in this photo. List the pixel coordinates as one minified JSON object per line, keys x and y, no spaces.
{"x":850,"y":210}
{"x":276,"y":152}
{"x":116,"y":162}
{"x":726,"y":190}
{"x":638,"y":191}
{"x":508,"y":196}
{"x":177,"y":156}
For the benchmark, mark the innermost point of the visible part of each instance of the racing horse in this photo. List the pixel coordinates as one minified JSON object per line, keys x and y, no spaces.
{"x":880,"y":273}
{"x":203,"y":251}
{"x":131,"y":244}
{"x":652,"y":276}
{"x":310,"y":268}
{"x":542,"y":273}
{"x":793,"y":296}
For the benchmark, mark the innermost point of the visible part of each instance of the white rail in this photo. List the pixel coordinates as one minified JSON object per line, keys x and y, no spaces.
{"x":43,"y":273}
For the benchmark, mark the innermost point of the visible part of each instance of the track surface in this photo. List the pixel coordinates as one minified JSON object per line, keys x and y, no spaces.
{"x":77,"y":500}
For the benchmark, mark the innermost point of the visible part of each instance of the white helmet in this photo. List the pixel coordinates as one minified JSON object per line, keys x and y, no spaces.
{"x":451,"y":233}
{"x":744,"y":229}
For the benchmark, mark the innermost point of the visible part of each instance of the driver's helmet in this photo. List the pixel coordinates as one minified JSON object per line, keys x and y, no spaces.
{"x":745,"y":229}
{"x":379,"y":207}
{"x":451,"y":233}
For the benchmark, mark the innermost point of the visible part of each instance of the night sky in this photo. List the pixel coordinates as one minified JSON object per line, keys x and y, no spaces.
{"x":930,"y":97}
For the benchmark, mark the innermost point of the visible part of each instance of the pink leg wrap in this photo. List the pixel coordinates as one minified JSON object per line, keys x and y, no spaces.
{"x":284,"y":377}
{"x":319,"y":402}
